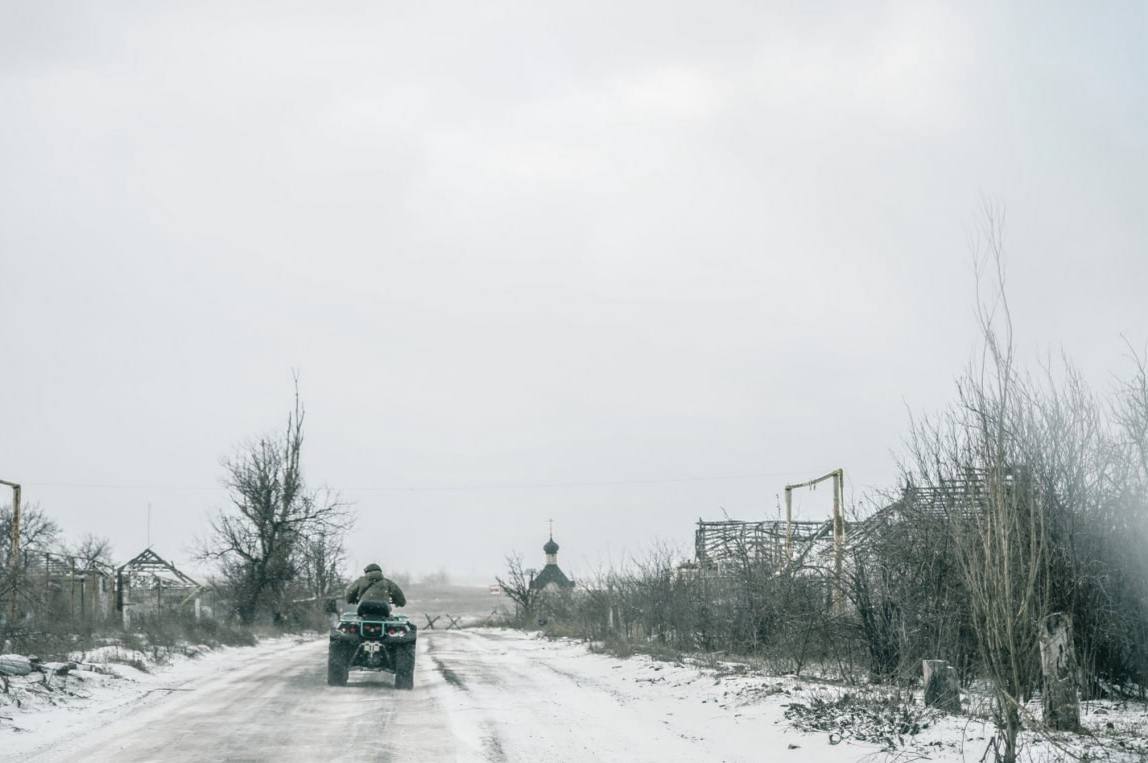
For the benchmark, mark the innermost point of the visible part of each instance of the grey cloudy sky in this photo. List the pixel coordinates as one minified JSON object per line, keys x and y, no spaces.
{"x":615,"y":264}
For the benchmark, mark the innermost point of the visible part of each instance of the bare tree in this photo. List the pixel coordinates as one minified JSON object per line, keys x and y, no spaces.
{"x":260,"y":539}
{"x":38,"y":531}
{"x":93,"y":550}
{"x":322,"y":562}
{"x":517,"y":585}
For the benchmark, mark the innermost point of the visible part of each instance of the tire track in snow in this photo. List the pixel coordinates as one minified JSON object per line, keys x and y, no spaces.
{"x":448,"y":675}
{"x":491,"y":744}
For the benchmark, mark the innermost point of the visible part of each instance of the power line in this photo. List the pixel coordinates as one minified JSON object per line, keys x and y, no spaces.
{"x":114,"y":486}
{"x":570,"y":484}
{"x":475,"y":486}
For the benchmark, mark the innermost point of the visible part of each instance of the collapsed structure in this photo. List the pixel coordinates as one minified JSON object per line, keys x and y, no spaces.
{"x":786,"y":545}
{"x":148,"y":583}
{"x":778,"y":545}
{"x":71,"y":586}
{"x":93,"y":591}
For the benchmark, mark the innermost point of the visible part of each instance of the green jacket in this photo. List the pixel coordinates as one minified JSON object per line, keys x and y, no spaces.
{"x":374,"y":587}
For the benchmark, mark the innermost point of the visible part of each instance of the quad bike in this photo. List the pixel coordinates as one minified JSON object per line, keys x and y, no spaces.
{"x":377,"y":643}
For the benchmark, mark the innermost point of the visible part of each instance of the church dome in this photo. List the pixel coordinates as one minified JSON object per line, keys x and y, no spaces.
{"x":551,"y":547}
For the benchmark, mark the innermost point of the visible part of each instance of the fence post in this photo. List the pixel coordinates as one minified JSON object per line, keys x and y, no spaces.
{"x":1058,"y":663}
{"x":124,"y":596}
{"x":14,"y":550}
{"x":942,"y":689}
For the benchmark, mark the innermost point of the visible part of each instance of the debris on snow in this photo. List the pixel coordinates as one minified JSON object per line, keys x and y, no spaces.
{"x":887,"y":719}
{"x":15,"y":665}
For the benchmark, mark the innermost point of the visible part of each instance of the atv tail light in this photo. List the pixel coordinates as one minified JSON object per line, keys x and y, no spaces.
{"x":348,"y":627}
{"x":393,"y":632}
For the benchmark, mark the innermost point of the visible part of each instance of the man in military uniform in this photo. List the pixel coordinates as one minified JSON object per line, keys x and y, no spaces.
{"x":375,"y":593}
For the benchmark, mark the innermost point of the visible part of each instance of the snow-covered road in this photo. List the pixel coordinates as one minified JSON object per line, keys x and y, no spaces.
{"x":479,"y":695}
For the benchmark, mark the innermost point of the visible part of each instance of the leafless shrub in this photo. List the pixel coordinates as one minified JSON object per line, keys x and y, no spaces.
{"x":975,"y":460}
{"x":906,"y":593}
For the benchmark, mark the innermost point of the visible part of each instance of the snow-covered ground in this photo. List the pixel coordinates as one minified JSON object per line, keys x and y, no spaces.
{"x":484,"y":694}
{"x":45,"y":707}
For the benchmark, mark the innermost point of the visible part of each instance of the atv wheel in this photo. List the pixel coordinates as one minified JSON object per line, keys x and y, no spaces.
{"x":405,"y":666}
{"x":336,"y":668}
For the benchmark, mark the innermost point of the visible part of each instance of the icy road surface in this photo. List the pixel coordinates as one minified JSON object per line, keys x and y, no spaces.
{"x":484,"y":695}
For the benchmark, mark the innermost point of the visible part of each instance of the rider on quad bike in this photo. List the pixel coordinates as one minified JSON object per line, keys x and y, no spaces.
{"x":374,"y":593}
{"x":371,"y":638}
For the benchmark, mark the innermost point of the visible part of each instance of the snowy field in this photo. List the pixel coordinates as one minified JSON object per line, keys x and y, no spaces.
{"x":485,"y":695}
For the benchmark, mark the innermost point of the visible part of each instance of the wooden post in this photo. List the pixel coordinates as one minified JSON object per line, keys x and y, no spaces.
{"x":788,"y":523}
{"x":839,"y":540}
{"x":14,"y":550}
{"x":15,"y":522}
{"x":942,"y":690}
{"x":123,"y":597}
{"x":1058,"y":663}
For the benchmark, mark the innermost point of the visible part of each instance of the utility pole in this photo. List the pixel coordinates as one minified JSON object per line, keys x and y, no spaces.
{"x":14,"y":545}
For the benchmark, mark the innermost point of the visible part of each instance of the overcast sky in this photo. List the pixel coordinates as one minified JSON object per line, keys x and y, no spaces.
{"x":617,"y":264}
